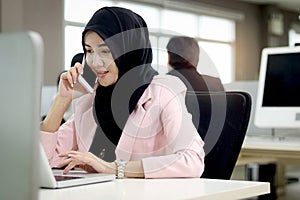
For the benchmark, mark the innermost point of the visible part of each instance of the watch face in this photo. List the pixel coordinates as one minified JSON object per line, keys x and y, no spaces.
{"x":121,"y":162}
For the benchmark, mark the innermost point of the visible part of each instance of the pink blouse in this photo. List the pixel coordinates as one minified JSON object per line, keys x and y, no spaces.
{"x":159,"y":132}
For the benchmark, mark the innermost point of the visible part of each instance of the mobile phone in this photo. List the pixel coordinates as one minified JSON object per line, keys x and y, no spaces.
{"x":88,"y":78}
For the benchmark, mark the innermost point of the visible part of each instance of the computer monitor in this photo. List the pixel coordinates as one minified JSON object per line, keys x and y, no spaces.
{"x":21,"y":63}
{"x":278,"y":95}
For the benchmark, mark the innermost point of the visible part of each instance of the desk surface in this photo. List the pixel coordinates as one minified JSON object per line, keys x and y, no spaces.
{"x":272,"y":143}
{"x":285,"y":149}
{"x":195,"y":188}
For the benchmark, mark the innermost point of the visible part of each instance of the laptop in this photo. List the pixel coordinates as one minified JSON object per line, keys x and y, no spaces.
{"x":21,"y":63}
{"x":54,"y":178}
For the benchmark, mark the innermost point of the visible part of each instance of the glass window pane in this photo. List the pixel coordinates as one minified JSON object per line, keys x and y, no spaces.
{"x":149,"y":14}
{"x":82,"y":11}
{"x":179,"y":22}
{"x":216,"y":29}
{"x":163,"y":55}
{"x":72,"y":43}
{"x":216,"y":60}
{"x":153,"y":41}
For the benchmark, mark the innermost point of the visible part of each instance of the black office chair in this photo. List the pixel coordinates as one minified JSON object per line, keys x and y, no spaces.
{"x":221,"y":119}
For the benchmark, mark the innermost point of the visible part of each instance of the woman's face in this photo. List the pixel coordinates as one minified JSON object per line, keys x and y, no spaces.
{"x":100,"y":59}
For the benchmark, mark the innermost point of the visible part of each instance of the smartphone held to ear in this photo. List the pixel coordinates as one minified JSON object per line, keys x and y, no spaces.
{"x":88,"y":78}
{"x":85,"y":84}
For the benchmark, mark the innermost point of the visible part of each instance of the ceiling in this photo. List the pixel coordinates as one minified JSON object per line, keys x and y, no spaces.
{"x":285,"y":4}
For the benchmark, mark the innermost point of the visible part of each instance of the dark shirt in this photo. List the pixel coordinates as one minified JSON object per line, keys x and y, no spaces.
{"x":197,"y":82}
{"x":203,"y":83}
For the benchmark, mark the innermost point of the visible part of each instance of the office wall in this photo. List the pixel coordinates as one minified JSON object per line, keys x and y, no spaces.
{"x":45,"y":17}
{"x":270,"y":39}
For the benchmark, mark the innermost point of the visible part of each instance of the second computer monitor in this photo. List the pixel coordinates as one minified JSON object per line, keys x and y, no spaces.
{"x":278,"y":95}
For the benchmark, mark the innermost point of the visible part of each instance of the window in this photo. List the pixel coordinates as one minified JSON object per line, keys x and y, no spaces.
{"x":180,"y":22}
{"x":294,"y":38}
{"x":212,"y":28}
{"x":72,"y":43}
{"x":216,"y":36}
{"x":81,"y":11}
{"x":220,"y":57}
{"x":149,"y":14}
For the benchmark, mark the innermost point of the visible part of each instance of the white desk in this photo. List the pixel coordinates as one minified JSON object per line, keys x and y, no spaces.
{"x":195,"y":188}
{"x":286,"y":150}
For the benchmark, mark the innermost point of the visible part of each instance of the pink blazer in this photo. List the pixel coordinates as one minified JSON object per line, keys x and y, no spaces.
{"x":159,"y":132}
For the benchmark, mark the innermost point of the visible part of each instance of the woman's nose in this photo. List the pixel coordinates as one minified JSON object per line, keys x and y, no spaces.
{"x":97,"y":61}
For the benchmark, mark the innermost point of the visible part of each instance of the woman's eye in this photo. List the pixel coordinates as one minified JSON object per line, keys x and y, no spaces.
{"x":88,"y":50}
{"x":105,"y":51}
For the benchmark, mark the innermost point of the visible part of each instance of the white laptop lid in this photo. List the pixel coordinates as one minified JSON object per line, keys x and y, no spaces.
{"x":21,"y":58}
{"x":73,"y":178}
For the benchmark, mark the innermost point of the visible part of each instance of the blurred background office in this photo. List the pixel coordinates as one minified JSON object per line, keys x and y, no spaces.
{"x":231,"y":33}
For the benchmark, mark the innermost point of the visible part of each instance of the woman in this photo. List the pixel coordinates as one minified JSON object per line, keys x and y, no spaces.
{"x":141,"y":112}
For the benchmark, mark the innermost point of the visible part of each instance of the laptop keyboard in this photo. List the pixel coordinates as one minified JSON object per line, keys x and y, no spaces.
{"x":65,"y":178}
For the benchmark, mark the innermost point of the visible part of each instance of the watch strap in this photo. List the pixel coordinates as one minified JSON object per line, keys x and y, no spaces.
{"x":120,"y":165}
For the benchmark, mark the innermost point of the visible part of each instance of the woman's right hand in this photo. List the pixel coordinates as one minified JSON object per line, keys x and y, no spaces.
{"x":63,"y":99}
{"x":68,"y":80}
{"x":86,"y":161}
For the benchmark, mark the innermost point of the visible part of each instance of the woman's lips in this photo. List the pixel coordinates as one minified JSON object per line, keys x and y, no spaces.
{"x":102,"y":74}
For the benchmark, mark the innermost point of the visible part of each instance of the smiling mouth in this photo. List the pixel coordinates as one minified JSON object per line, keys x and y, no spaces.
{"x":102,"y":74}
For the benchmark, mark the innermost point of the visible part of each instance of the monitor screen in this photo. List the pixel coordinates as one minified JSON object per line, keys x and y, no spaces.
{"x":278,"y":96}
{"x":283,"y":73}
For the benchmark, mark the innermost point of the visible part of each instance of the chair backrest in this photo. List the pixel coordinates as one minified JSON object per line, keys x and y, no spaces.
{"x":221,"y":119}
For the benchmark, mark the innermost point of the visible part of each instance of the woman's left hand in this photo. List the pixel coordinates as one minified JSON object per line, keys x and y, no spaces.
{"x":86,"y":161}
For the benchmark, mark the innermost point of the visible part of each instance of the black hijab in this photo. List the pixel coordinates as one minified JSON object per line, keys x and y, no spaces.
{"x":127,"y":36}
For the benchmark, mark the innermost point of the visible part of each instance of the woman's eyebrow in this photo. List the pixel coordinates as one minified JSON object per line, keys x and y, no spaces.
{"x":102,"y":45}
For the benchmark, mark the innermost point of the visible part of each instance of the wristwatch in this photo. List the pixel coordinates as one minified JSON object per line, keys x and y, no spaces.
{"x":120,"y":164}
